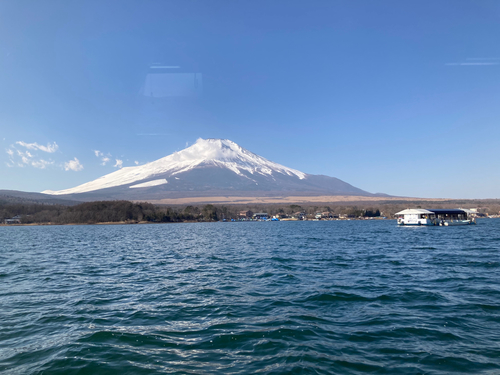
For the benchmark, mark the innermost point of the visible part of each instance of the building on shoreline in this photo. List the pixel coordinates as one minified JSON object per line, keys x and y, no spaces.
{"x":245,"y":214}
{"x":13,"y":220}
{"x":261,"y":216}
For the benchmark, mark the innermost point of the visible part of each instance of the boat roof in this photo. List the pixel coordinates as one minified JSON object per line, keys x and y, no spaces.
{"x":412,"y":211}
{"x":448,"y":211}
{"x":441,"y":211}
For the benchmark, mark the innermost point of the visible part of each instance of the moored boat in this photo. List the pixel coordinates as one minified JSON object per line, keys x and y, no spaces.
{"x":433,"y":217}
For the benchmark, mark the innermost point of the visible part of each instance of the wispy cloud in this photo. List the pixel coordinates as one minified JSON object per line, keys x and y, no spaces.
{"x":473,"y":63}
{"x":73,"y":165}
{"x":136,"y":162}
{"x":25,"y":156}
{"x":104,"y":158}
{"x":19,"y":158}
{"x":41,"y":164}
{"x":477,"y":61}
{"x":11,"y":163}
{"x":50,"y":148}
{"x":119,"y":163}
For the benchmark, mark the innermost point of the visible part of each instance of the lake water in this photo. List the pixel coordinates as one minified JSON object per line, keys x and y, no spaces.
{"x":342,"y":297}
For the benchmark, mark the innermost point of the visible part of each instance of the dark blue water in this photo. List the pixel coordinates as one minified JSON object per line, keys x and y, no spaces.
{"x":343,"y":297}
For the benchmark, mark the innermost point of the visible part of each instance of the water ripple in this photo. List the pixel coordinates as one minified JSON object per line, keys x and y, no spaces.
{"x":237,"y":298}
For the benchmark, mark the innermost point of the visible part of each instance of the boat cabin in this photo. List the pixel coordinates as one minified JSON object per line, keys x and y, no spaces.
{"x":432,"y":216}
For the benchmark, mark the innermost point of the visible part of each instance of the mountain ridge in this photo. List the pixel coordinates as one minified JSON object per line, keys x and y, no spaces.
{"x":209,"y":166}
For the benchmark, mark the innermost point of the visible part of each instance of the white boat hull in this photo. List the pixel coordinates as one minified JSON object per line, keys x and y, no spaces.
{"x":448,"y":223}
{"x":436,"y":222}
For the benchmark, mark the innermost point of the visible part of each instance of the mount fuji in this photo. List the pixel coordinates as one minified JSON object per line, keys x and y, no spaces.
{"x":210,"y":167}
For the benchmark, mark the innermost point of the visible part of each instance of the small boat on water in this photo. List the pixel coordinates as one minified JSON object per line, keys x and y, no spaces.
{"x":432,"y":217}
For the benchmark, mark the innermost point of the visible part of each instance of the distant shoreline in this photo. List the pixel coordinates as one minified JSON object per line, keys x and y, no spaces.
{"x":101,"y":223}
{"x":177,"y":222}
{"x":126,"y":212}
{"x":196,"y":222}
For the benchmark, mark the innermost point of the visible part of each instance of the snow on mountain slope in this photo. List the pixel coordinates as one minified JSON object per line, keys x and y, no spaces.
{"x":150,"y":183}
{"x":205,"y":152}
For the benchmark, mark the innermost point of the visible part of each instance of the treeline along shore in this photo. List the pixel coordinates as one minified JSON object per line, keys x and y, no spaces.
{"x":28,"y":212}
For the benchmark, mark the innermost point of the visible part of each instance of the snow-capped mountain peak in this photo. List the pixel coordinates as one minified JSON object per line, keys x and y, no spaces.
{"x":224,"y":153}
{"x":221,"y":153}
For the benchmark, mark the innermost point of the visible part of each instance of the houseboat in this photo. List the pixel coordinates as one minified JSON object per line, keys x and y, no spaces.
{"x":432,"y":217}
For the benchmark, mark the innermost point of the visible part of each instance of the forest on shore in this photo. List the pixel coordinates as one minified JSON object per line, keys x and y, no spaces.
{"x":92,"y":212}
{"x":30,"y":212}
{"x":125,"y":211}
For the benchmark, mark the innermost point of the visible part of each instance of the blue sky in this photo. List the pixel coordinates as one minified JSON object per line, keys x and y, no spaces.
{"x":400,"y":97}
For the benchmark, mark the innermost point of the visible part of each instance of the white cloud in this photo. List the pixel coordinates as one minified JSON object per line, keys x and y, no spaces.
{"x":26,"y":158}
{"x":472,"y":64}
{"x":477,"y":61}
{"x":50,"y":148}
{"x":104,"y":159}
{"x":119,"y":163}
{"x":41,"y":164}
{"x":136,"y":162}
{"x":73,"y":165}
